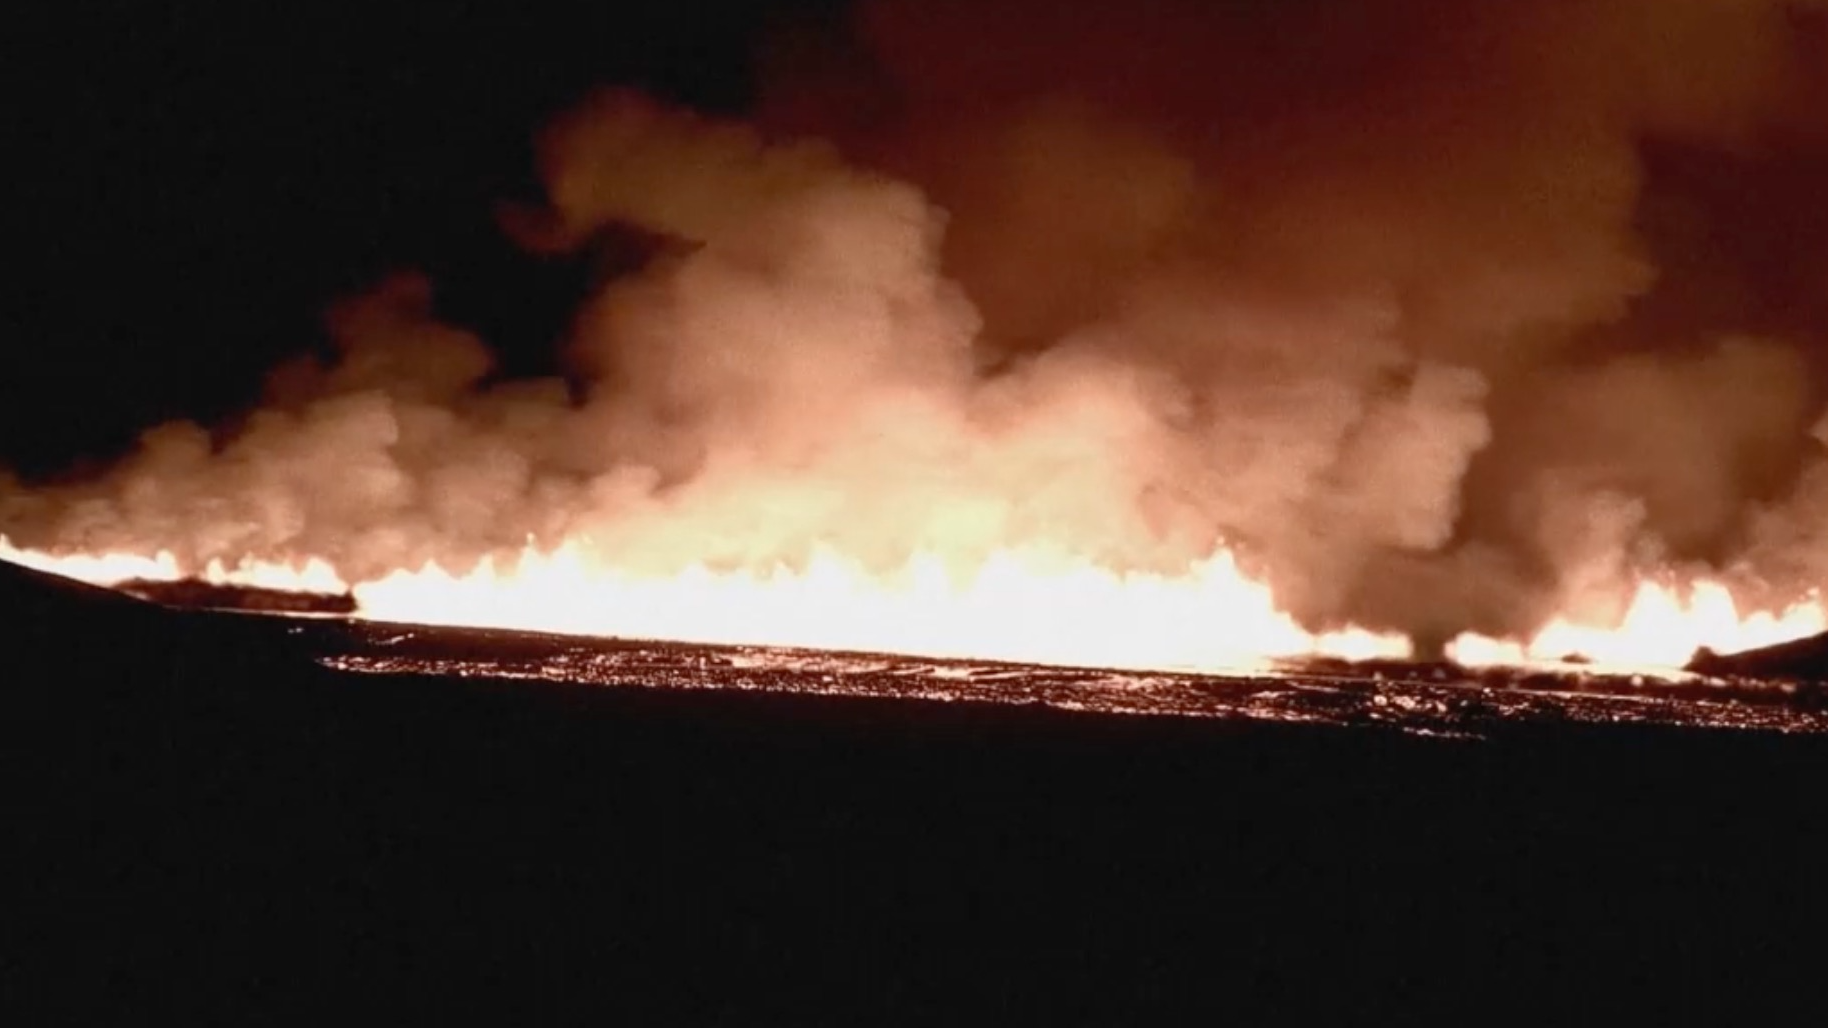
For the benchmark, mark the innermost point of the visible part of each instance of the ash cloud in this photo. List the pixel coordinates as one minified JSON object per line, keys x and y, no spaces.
{"x":1445,"y":315}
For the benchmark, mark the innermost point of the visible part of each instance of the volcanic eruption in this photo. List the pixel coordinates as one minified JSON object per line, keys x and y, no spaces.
{"x":1194,"y":336}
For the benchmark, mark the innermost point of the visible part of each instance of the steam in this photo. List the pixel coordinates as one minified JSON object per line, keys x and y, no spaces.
{"x":1390,"y":298}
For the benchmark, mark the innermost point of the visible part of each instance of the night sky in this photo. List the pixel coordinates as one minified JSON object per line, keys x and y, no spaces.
{"x":196,"y":182}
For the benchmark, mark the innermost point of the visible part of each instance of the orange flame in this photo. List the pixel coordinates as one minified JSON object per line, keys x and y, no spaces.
{"x":1019,"y":605}
{"x":110,"y":569}
{"x":1662,"y":627}
{"x":1026,"y":605}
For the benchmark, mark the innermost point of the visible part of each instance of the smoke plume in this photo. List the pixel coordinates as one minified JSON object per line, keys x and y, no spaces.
{"x":1443,"y":315}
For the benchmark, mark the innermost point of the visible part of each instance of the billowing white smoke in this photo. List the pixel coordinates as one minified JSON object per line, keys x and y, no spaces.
{"x":1373,"y":326}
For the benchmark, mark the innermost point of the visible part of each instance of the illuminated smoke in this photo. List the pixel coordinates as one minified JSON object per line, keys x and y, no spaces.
{"x":1435,"y":312}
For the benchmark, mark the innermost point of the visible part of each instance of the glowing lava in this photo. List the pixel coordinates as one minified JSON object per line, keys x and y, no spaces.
{"x":1019,"y":605}
{"x":112,"y":569}
{"x":1662,"y":627}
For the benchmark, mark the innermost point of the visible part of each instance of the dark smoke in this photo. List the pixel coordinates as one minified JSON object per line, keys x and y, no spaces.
{"x":1446,"y":315}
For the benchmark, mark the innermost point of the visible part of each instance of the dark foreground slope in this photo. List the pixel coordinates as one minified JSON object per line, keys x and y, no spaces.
{"x":201,"y":816}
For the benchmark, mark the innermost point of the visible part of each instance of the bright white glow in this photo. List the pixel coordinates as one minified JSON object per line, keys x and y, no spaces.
{"x":1661,"y":627}
{"x":1027,"y":605}
{"x":1019,"y":605}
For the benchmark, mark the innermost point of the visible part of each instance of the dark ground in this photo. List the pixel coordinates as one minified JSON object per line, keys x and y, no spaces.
{"x":209,"y":820}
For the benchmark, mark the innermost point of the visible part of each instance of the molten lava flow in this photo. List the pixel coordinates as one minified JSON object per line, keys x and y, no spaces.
{"x":110,"y":569}
{"x":97,"y":569}
{"x":1426,"y":335}
{"x":1662,"y":627}
{"x":1020,"y":605}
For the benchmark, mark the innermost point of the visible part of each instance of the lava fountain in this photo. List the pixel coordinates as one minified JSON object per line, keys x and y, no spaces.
{"x":1028,"y":606}
{"x":1031,"y":607}
{"x":1412,"y":345}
